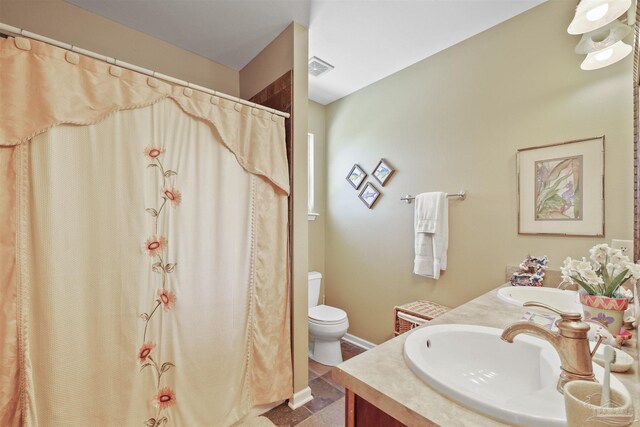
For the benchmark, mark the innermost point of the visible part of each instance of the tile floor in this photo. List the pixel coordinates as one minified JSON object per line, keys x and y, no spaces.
{"x":327,"y":407}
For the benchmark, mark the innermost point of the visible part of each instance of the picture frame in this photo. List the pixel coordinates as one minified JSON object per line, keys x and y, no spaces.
{"x":356,"y":176}
{"x":561,"y":188}
{"x":383,"y":172}
{"x":369,"y":195}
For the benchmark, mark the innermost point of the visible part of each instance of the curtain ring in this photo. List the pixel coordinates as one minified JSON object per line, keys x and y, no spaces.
{"x":72,"y":57}
{"x":22,"y":43}
{"x":115,"y":71}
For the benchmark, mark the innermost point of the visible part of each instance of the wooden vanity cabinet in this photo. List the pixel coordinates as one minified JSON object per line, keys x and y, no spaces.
{"x":361,"y":413}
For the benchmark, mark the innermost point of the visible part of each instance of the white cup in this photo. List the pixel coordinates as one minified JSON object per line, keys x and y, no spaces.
{"x":582,"y":402}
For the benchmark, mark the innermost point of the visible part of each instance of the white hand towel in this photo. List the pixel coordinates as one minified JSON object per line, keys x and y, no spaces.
{"x":431,"y":221}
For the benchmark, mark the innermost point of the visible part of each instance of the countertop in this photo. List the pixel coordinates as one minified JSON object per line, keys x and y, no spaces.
{"x":382,"y":377}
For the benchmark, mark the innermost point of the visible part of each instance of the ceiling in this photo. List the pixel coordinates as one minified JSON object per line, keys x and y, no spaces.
{"x":366,"y":40}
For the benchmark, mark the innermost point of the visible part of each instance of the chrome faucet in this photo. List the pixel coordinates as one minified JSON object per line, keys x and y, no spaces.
{"x":571,"y":343}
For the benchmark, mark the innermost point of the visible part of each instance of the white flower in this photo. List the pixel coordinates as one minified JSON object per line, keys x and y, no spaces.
{"x":634,"y":270}
{"x":568,"y":279}
{"x":617,"y":257}
{"x":610,"y":268}
{"x":603,"y":262}
{"x":590,"y":277}
{"x":615,"y":269}
{"x":584,"y":265}
{"x":599,"y":253}
{"x":568,"y":270}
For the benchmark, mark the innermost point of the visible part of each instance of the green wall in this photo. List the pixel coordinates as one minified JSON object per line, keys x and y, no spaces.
{"x":454,"y":121}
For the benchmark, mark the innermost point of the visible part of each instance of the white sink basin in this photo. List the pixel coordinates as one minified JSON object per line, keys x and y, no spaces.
{"x":561,"y":299}
{"x":514,"y":383}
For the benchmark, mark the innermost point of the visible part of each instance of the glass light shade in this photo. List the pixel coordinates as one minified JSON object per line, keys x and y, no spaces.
{"x":597,"y":12}
{"x":606,"y":56}
{"x":593,"y":14}
{"x":603,"y":38}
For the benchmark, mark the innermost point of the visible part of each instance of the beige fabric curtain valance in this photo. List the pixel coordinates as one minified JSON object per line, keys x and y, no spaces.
{"x":52,"y":86}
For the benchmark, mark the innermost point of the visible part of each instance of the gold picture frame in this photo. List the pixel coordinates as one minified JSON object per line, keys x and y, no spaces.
{"x":561,"y":188}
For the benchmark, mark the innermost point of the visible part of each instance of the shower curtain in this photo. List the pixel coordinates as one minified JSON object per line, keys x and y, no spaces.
{"x":143,"y":248}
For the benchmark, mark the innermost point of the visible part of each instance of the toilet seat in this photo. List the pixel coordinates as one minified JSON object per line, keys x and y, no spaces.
{"x":326,"y":315}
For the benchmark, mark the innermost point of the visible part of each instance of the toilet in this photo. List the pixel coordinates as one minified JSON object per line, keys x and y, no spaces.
{"x":327,"y":326}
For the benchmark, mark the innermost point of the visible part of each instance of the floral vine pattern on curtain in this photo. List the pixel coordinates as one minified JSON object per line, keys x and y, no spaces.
{"x":156,"y":246}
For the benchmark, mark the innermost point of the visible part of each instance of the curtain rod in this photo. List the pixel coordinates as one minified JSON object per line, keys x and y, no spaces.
{"x":13,"y":31}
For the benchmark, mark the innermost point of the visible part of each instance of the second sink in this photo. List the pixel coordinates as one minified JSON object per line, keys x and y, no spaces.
{"x":561,"y":299}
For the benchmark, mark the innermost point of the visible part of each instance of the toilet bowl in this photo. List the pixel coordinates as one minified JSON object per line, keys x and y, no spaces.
{"x":327,"y":326}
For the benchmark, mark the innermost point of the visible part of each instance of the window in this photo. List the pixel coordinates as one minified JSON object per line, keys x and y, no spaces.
{"x":311,"y":176}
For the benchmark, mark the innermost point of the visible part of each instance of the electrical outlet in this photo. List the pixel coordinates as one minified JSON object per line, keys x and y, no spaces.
{"x":626,"y":246}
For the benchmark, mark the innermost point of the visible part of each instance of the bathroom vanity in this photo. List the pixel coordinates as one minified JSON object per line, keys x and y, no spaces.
{"x":381,"y":390}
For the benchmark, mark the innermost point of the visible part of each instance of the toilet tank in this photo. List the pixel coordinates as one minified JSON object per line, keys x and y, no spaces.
{"x":315,"y":279}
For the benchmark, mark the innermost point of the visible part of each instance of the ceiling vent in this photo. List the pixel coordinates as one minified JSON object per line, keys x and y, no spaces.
{"x":318,"y":67}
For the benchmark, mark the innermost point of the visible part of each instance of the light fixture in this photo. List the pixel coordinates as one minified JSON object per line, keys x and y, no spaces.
{"x":604,"y":46}
{"x":593,"y":14}
{"x":606,"y":56}
{"x":603,"y":37}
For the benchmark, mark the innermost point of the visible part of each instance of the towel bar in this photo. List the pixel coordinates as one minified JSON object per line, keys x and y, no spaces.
{"x":409,"y":198}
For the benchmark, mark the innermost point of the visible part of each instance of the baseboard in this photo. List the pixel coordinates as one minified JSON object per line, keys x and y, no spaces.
{"x":358,"y":341}
{"x":300,"y":398}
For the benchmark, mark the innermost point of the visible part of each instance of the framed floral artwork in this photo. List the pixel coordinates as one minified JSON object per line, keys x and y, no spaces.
{"x":383,"y":172}
{"x":356,"y":176}
{"x":561,"y":188}
{"x":369,"y":195}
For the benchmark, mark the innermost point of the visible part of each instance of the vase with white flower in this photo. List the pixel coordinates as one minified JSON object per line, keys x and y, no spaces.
{"x":600,"y":278}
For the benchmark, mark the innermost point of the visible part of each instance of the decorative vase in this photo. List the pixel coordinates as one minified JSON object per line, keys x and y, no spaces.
{"x":609,"y":312}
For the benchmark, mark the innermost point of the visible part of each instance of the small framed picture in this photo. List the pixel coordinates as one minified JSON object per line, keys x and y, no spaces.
{"x":356,"y":176}
{"x":383,"y":172}
{"x":369,"y":195}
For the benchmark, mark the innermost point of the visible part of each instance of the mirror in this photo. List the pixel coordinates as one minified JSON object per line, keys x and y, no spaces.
{"x":636,"y":142}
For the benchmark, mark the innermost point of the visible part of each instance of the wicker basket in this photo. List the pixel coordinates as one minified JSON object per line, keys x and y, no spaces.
{"x":415,"y":314}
